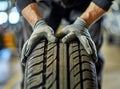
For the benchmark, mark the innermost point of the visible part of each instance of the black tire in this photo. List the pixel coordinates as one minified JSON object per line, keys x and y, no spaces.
{"x":59,"y":66}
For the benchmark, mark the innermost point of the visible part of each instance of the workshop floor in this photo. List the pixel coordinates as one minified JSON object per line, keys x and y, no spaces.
{"x":111,"y":73}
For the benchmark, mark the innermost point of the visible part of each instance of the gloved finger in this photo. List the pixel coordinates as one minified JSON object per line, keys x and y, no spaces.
{"x":24,"y":49}
{"x":85,"y":33}
{"x":94,"y":49}
{"x":66,"y":30}
{"x":85,"y":43}
{"x":51,"y":38}
{"x":32,"y":41}
{"x":68,"y":37}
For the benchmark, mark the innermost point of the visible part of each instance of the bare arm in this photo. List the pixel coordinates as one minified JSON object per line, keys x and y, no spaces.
{"x":32,"y":13}
{"x":92,"y":13}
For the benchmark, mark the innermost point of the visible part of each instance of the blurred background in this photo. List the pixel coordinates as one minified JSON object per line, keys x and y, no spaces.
{"x":12,"y":24}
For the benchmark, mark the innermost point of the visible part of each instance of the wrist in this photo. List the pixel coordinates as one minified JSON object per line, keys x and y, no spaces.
{"x":32,"y":13}
{"x":92,"y":13}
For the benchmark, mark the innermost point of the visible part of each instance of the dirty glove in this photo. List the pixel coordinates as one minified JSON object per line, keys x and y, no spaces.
{"x":79,"y":29}
{"x":40,"y":30}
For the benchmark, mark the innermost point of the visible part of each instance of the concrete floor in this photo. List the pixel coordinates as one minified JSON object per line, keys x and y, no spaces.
{"x":111,"y":73}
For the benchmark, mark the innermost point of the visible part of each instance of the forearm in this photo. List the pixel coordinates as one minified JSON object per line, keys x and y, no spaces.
{"x":31,"y":13}
{"x":92,"y":13}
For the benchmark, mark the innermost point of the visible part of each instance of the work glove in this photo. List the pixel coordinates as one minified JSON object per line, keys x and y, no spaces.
{"x":40,"y":30}
{"x":79,"y":29}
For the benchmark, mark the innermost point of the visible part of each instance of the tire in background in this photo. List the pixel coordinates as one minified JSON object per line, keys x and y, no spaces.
{"x":59,"y":66}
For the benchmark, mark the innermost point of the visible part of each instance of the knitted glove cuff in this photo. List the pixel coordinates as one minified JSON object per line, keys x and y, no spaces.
{"x":39,"y":22}
{"x":81,"y":22}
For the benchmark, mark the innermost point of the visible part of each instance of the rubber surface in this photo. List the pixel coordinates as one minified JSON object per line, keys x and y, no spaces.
{"x":59,"y":66}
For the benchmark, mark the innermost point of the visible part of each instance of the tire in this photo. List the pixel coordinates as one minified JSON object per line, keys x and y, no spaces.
{"x":59,"y":66}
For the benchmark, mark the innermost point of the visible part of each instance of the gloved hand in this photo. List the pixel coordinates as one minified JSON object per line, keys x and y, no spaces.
{"x":79,"y":29}
{"x":40,"y":30}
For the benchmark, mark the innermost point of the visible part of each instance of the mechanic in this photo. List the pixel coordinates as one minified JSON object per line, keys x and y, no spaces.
{"x":91,"y":11}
